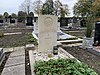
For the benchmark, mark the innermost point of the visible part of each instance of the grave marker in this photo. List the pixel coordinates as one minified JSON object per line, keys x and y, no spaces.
{"x":29,"y":21}
{"x":97,"y":34}
{"x":47,"y":32}
{"x":63,"y":22}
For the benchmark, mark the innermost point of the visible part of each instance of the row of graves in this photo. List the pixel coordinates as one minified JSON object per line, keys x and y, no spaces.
{"x":64,"y":22}
{"x":76,"y":22}
{"x":60,"y":35}
{"x":79,"y":22}
{"x":72,"y":22}
{"x":8,"y":20}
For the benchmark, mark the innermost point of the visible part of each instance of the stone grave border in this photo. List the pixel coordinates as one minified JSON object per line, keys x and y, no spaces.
{"x":32,"y":61}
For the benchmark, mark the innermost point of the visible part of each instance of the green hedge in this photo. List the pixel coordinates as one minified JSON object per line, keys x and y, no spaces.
{"x":62,"y":67}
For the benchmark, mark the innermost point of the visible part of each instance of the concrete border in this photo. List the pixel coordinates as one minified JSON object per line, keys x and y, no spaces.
{"x":16,"y":33}
{"x":2,"y":59}
{"x":32,"y":60}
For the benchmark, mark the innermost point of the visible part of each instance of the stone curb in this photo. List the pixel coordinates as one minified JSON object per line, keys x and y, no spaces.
{"x":13,"y":33}
{"x":71,"y":41}
{"x":32,"y":60}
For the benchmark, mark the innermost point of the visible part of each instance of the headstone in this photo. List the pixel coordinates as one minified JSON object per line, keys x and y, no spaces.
{"x":58,"y":26}
{"x":47,"y":32}
{"x":7,"y":21}
{"x":15,"y":21}
{"x":83,"y":23}
{"x":12,"y":21}
{"x":36,"y":25}
{"x":63,"y":22}
{"x":97,"y":34}
{"x":29,"y":21}
{"x":1,"y":21}
{"x":76,"y":23}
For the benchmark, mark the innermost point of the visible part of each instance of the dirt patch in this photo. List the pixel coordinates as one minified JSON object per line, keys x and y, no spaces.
{"x":92,"y":60}
{"x":14,"y":40}
{"x":27,"y":63}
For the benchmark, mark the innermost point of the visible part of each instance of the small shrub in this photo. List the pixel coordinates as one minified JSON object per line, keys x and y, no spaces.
{"x":62,"y":67}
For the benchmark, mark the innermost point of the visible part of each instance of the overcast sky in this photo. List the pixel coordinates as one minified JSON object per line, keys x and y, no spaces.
{"x":12,"y":6}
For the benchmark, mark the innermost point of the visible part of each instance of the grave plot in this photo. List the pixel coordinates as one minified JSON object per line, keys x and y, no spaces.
{"x":47,"y":40}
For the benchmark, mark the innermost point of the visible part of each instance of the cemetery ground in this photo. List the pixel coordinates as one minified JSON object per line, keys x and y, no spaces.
{"x":16,"y":40}
{"x":24,"y":38}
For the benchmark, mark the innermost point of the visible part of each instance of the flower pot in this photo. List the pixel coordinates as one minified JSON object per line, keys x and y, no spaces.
{"x":87,"y":42}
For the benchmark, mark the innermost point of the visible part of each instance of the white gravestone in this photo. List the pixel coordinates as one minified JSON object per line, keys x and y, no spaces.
{"x":47,"y":32}
{"x":36,"y":27}
{"x":58,"y":27}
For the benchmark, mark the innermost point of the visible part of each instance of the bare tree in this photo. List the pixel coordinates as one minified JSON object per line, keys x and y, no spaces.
{"x":1,"y":16}
{"x":26,"y":6}
{"x":64,"y":10}
{"x":14,"y":15}
{"x":57,"y":5}
{"x":37,"y":6}
{"x":48,"y":7}
{"x":60,"y":9}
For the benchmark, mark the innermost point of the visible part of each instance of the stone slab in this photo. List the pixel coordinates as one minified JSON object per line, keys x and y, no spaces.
{"x":8,"y":49}
{"x":32,"y":61}
{"x":1,"y":60}
{"x":12,"y":33}
{"x":71,"y":45}
{"x":1,"y":51}
{"x":71,"y":41}
{"x":17,"y":53}
{"x":15,"y":61}
{"x":14,"y":70}
{"x":62,"y":35}
{"x":30,"y":46}
{"x":19,"y":48}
